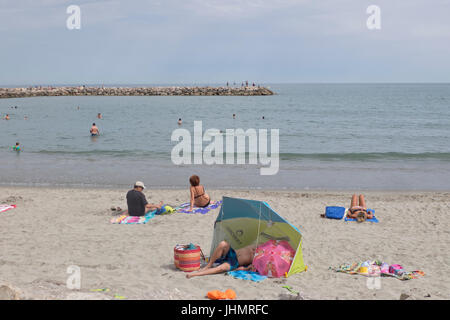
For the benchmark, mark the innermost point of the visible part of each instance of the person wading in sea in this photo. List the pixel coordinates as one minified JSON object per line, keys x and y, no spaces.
{"x":94,"y":130}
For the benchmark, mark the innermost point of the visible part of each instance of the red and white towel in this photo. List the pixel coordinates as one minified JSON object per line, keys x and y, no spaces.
{"x":6,"y":207}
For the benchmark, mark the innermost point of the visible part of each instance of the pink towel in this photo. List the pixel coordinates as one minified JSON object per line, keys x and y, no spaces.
{"x":6,"y":207}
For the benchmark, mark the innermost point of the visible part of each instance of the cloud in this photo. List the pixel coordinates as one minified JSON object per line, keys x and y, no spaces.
{"x":212,"y":39}
{"x":239,"y":8}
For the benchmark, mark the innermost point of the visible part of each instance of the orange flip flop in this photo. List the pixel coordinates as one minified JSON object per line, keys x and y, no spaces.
{"x":230,"y":294}
{"x":219,"y":295}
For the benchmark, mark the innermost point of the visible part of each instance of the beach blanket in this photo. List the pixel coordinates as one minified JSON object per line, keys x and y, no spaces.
{"x":374,"y":219}
{"x":126,"y":219}
{"x":247,"y":275}
{"x":377,"y":268}
{"x":6,"y":207}
{"x":184,"y":208}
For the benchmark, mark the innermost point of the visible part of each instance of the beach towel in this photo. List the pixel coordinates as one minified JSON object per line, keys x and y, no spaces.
{"x":126,"y":219}
{"x":377,"y":268}
{"x":374,"y":219}
{"x":247,"y":275}
{"x":333,"y":212}
{"x":6,"y":207}
{"x":184,"y":208}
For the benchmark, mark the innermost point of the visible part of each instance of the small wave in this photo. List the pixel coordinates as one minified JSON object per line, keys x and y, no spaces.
{"x":363,"y":156}
{"x":113,"y":153}
{"x":366,"y":156}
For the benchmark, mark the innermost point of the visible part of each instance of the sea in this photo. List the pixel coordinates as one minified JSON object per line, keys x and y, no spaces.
{"x":352,"y":137}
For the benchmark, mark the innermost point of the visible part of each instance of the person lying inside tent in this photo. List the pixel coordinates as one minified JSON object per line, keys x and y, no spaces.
{"x":228,"y":260}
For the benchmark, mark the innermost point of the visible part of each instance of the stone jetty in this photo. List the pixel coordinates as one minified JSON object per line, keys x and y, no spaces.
{"x":135,"y":91}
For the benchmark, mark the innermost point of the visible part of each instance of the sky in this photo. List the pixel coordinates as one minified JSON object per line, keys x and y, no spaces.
{"x":215,"y":41}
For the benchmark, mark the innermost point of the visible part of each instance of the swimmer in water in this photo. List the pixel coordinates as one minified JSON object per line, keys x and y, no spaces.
{"x":16,"y":147}
{"x":99,"y":115}
{"x":94,"y":130}
{"x":180,"y":122}
{"x":6,"y":117}
{"x":234,"y":116}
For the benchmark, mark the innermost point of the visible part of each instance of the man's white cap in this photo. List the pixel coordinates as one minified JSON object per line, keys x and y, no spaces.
{"x":139,"y":184}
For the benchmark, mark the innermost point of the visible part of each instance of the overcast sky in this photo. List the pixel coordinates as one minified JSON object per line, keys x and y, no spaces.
{"x":214,"y":41}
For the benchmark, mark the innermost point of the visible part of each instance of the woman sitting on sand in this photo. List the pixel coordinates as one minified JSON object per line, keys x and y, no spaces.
{"x":359,"y":212}
{"x":199,"y":197}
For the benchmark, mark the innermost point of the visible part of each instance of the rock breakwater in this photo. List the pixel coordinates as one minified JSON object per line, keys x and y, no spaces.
{"x":135,"y":91}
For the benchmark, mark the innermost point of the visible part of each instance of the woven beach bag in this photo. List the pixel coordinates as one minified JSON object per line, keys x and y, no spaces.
{"x":186,"y":259}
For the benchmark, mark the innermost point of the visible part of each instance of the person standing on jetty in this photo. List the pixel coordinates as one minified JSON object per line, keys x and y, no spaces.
{"x":94,"y":130}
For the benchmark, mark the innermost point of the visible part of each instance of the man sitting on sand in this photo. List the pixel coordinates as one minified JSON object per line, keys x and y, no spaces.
{"x":228,"y":260}
{"x":359,"y":212}
{"x":137,"y":203}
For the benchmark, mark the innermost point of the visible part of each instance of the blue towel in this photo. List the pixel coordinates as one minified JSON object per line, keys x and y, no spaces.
{"x":374,"y":219}
{"x":247,"y":275}
{"x":184,"y":208}
{"x":333,"y":212}
{"x":191,"y":247}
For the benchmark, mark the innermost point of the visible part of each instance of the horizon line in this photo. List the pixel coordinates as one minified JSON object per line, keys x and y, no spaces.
{"x":211,"y":83}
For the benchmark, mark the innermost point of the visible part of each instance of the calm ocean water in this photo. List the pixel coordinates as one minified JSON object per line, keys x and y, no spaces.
{"x":332,"y":136}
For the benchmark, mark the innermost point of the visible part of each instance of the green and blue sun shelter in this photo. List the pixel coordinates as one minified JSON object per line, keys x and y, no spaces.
{"x":243,"y":222}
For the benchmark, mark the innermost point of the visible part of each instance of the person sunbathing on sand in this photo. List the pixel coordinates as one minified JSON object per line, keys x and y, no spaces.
{"x":359,"y":212}
{"x":199,"y":197}
{"x":228,"y":260}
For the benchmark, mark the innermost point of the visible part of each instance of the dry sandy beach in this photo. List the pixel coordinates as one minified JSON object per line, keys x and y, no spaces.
{"x":52,"y":229}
